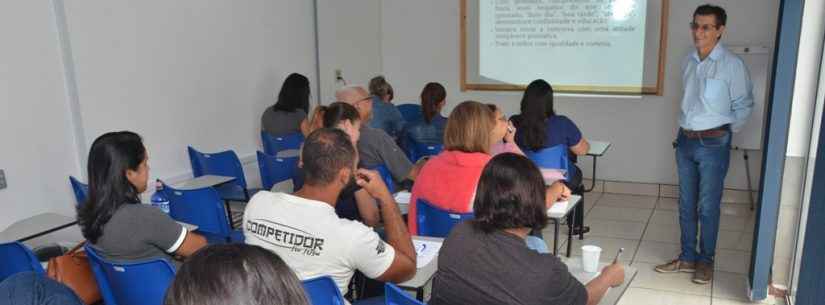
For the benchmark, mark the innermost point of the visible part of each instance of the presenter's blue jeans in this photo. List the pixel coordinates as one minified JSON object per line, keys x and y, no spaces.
{"x":702,"y":166}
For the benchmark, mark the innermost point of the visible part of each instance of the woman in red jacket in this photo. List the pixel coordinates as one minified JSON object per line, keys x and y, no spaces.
{"x":449,"y":179}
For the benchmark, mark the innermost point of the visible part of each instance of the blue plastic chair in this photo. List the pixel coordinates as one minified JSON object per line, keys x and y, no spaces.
{"x":16,"y":258}
{"x":386,"y":176}
{"x":411,"y":112}
{"x":424,"y":150}
{"x":225,"y":163}
{"x":436,"y":222}
{"x":204,"y":208}
{"x":81,"y":190}
{"x":552,"y":158}
{"x":275,"y":170}
{"x":274,"y":144}
{"x":396,"y":296}
{"x":323,"y":291}
{"x":133,"y":283}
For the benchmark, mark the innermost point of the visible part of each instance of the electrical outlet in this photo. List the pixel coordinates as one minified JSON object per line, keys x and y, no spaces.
{"x":339,"y":74}
{"x":2,"y":179}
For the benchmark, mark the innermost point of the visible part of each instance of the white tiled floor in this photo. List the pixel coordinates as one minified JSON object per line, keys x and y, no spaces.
{"x":648,"y":228}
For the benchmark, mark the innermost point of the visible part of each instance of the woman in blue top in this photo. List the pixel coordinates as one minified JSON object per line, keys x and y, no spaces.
{"x":385,"y":115}
{"x":538,"y":126}
{"x":430,"y":129}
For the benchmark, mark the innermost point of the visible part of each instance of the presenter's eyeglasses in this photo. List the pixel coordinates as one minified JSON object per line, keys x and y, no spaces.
{"x":705,"y":27}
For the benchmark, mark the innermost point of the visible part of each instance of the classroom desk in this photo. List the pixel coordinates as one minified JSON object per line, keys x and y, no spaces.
{"x":209,"y":181}
{"x":403,"y":200}
{"x":203,"y":181}
{"x":36,"y":226}
{"x":424,"y":274}
{"x":612,"y":297}
{"x":557,"y":218}
{"x":403,"y":206}
{"x":597,"y":149}
{"x":189,"y":227}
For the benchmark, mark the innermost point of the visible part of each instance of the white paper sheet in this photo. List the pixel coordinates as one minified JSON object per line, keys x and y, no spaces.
{"x":402,"y":197}
{"x":425,"y":251}
{"x":558,"y":207}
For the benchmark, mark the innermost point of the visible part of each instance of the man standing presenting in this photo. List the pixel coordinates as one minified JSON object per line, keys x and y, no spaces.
{"x":717,"y":100}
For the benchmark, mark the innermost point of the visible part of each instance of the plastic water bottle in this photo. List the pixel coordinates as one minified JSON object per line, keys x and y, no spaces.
{"x":159,"y":200}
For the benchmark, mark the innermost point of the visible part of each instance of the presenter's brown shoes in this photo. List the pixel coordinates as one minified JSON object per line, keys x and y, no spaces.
{"x":676,"y":265}
{"x":703,"y":274}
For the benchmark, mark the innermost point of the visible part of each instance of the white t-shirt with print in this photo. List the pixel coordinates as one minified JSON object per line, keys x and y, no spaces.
{"x":312,"y":240}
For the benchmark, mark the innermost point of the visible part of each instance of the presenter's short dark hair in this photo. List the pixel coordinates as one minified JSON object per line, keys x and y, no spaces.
{"x":326,"y":151}
{"x":510,"y":195}
{"x":716,"y":11}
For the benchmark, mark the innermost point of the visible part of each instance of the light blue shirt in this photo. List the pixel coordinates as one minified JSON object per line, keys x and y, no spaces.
{"x":385,"y":116}
{"x":718,"y":91}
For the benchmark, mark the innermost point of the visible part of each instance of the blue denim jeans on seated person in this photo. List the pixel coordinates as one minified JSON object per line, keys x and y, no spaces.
{"x":702,"y":166}
{"x":30,"y":288}
{"x":537,"y":244}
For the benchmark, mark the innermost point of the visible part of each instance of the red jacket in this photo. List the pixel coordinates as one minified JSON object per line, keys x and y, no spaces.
{"x":448,"y":181}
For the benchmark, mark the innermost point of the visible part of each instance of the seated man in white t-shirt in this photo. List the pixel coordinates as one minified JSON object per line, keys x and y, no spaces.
{"x":303,"y":229}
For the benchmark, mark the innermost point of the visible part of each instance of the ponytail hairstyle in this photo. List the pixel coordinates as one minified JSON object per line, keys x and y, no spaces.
{"x":380,"y":87}
{"x":431,"y":96}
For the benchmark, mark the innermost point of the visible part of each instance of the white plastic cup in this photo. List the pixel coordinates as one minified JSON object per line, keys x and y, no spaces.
{"x":590,"y":258}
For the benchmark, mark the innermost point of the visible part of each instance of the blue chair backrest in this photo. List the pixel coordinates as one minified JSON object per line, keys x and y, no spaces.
{"x":225,"y":163}
{"x":134,"y":283}
{"x":202,"y":207}
{"x":81,"y":190}
{"x":410,"y":112}
{"x":274,"y":144}
{"x":423,"y":150}
{"x":552,"y":157}
{"x":436,"y":222}
{"x":386,"y":176}
{"x":395,"y":296}
{"x":323,"y":291}
{"x":15,"y":258}
{"x":275,"y":170}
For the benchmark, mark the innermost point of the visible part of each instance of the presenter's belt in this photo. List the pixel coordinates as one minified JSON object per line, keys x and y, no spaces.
{"x":707,"y":133}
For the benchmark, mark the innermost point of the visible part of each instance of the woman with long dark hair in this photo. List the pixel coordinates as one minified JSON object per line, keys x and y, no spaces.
{"x":430,"y":129}
{"x":289,"y":114}
{"x":113,"y":220}
{"x":538,"y":126}
{"x":508,"y":204}
{"x":235,"y":274}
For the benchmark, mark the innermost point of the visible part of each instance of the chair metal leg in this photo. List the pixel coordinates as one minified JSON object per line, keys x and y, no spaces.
{"x":556,"y":237}
{"x":570,"y":232}
{"x":228,"y":214}
{"x":593,"y":181}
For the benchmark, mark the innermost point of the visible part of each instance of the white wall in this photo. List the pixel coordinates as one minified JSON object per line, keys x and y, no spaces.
{"x":38,"y":152}
{"x":349,"y":39}
{"x":188,"y":72}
